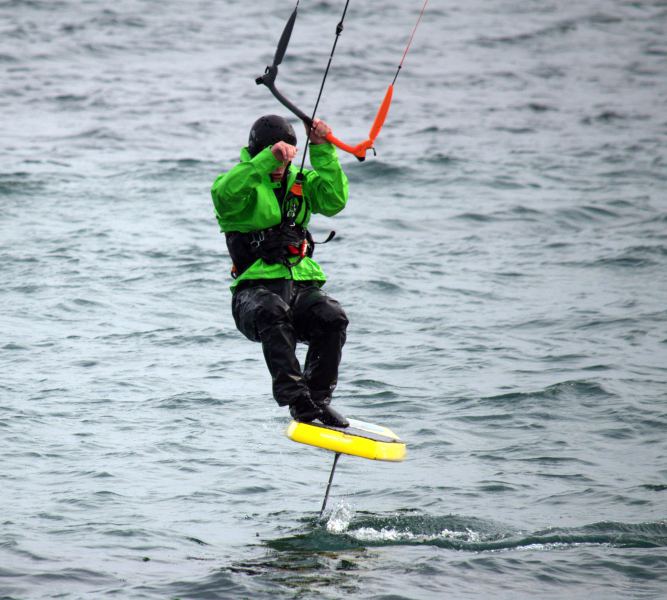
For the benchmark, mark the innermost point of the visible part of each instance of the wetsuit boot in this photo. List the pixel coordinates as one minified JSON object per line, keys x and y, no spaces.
{"x":333,"y":418}
{"x":329,"y":415}
{"x":303,"y":409}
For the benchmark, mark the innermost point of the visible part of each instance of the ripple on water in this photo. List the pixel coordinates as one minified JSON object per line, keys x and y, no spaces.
{"x":349,"y":530}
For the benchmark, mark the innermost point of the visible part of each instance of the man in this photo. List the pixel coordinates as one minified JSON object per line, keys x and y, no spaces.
{"x":264,"y":207}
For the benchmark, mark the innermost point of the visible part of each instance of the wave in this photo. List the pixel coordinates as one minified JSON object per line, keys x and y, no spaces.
{"x":560,"y":28}
{"x":343,"y":531}
{"x":612,"y":116}
{"x":578,"y":388}
{"x":20,"y":183}
{"x":378,"y":170}
{"x":188,"y":399}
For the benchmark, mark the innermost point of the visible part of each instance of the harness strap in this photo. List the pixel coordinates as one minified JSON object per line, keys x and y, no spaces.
{"x":280,"y":244}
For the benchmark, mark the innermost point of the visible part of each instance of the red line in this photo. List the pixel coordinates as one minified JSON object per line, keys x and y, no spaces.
{"x":421,"y":14}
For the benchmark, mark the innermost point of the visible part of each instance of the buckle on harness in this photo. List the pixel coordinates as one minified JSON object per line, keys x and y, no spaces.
{"x":301,"y":251}
{"x":257,"y":239}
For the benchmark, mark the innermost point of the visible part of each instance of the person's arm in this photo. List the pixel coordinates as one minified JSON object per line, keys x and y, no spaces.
{"x":326,"y":185}
{"x":231,"y":190}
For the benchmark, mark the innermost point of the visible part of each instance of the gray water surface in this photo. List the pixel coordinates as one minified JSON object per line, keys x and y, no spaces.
{"x":502,"y":262}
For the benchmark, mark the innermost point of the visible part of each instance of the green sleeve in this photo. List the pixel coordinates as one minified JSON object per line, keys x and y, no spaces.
{"x":326,"y":185}
{"x":232,"y":192}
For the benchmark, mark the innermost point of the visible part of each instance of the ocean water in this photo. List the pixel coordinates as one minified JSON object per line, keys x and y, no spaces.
{"x":502,"y":260}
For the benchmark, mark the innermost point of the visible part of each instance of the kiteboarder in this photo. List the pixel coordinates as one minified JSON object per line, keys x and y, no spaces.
{"x":264,"y":205}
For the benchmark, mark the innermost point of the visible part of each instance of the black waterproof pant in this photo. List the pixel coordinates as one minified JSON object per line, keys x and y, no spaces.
{"x":278,"y":313}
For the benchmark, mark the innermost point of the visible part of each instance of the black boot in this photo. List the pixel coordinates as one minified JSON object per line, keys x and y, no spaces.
{"x":333,"y":418}
{"x":329,"y":416}
{"x":303,"y":409}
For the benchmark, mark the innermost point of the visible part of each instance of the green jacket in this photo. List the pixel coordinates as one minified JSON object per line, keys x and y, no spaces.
{"x":244,"y":201}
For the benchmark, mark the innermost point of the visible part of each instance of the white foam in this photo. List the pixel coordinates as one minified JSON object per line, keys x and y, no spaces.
{"x":340,"y":518}
{"x":387,"y":534}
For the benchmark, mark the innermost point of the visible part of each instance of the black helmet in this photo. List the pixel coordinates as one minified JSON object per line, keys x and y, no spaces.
{"x":268,"y":130}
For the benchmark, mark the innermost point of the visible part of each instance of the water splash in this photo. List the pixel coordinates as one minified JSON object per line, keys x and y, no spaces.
{"x":340,"y":518}
{"x":389,"y":534}
{"x":345,"y":531}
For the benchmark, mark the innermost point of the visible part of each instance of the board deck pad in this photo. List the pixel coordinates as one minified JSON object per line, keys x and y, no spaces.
{"x":366,"y":440}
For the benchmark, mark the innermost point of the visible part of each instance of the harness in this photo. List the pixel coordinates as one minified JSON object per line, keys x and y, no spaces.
{"x":287,"y":243}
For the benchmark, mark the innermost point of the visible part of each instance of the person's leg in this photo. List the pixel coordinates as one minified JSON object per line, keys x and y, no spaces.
{"x":262,"y":315}
{"x":321,"y":321}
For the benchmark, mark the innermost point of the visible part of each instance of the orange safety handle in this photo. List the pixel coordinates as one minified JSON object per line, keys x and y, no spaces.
{"x":360,"y":149}
{"x":381,"y":113}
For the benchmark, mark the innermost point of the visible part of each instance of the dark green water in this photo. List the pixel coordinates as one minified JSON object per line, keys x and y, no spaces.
{"x":502,"y":262}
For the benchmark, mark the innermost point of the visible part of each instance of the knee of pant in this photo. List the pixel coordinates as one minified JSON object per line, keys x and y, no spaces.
{"x":272,"y":311}
{"x":330,"y":315}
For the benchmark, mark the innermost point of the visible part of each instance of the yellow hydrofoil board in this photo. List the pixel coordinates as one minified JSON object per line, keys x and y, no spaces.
{"x":359,"y":439}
